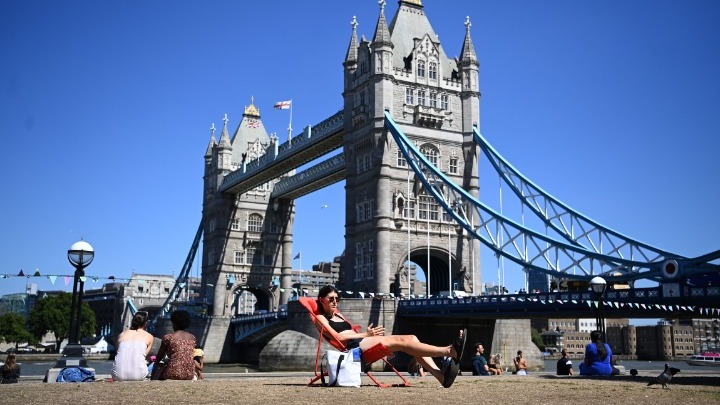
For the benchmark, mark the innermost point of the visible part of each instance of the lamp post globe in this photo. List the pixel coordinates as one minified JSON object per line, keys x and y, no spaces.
{"x":81,"y":254}
{"x":598,"y":286}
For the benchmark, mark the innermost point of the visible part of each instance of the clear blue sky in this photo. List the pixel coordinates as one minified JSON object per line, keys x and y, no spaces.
{"x":613,"y":107}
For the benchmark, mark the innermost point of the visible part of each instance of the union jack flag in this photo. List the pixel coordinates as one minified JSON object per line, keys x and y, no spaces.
{"x":253,"y":124}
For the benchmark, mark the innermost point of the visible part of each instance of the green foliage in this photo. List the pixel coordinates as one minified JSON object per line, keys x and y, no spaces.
{"x":52,"y":314}
{"x":537,"y":339}
{"x":12,"y":329}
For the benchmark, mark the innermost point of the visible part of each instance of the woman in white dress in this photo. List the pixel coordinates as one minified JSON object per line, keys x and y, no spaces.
{"x":133,"y":348}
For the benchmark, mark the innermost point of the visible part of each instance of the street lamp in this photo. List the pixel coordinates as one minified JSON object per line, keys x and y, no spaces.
{"x":598,"y":285}
{"x":80,"y":255}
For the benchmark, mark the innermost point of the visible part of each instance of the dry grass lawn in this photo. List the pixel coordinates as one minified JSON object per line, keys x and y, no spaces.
{"x":533,"y":389}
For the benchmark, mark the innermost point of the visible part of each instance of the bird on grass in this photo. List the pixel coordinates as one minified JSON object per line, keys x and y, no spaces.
{"x":664,"y":377}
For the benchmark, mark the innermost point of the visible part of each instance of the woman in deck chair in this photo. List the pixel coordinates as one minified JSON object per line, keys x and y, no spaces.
{"x":328,"y":300}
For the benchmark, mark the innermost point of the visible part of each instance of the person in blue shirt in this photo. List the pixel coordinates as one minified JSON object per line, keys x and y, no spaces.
{"x":597,"y":357}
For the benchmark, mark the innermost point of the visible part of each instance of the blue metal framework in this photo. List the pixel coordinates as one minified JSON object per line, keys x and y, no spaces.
{"x":536,"y":251}
{"x":575,"y":227}
{"x":184,"y":273}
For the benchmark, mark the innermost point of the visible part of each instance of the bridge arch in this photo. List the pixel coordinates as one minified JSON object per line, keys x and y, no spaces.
{"x":444,"y":268}
{"x":244,"y":299}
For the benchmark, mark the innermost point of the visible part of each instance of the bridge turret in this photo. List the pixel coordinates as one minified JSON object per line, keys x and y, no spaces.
{"x":209,"y":150}
{"x":469,"y":68}
{"x":224,"y":149}
{"x":351,"y":57}
{"x":382,"y":46}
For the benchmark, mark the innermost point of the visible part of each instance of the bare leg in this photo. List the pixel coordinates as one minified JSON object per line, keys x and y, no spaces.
{"x":408,"y":344}
{"x":431,"y":368}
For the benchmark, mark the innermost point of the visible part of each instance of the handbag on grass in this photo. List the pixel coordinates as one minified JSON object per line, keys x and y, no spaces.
{"x":343,"y":368}
{"x":158,"y":370}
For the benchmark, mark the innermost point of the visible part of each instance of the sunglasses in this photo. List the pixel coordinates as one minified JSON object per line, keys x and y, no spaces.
{"x":332,"y":299}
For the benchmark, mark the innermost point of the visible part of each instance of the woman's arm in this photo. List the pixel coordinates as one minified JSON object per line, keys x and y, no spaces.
{"x":161,"y":352}
{"x":346,"y":335}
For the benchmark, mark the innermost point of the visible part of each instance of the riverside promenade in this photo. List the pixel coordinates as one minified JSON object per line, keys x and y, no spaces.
{"x":290,"y":388}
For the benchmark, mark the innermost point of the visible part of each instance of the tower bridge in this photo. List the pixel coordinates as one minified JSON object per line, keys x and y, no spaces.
{"x":407,"y":144}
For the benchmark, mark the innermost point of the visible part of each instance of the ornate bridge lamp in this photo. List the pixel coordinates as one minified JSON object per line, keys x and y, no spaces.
{"x":598,"y":285}
{"x":80,"y":255}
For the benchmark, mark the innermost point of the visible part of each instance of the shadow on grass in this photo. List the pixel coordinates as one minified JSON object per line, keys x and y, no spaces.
{"x":713,"y":381}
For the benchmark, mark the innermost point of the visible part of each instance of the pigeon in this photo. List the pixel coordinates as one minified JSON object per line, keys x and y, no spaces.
{"x":633,"y":372}
{"x":664,"y":377}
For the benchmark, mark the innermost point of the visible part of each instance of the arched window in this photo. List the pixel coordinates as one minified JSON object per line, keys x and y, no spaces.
{"x":432,"y":72}
{"x":430,"y":152}
{"x":255,"y":223}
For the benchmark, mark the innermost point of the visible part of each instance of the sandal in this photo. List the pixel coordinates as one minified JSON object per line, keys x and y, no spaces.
{"x":451,"y":369}
{"x":459,"y":346}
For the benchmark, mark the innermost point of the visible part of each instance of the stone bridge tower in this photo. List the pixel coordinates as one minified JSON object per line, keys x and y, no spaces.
{"x":247,"y":240}
{"x":390,"y":218}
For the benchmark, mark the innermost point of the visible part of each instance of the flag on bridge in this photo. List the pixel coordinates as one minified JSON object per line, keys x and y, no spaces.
{"x":297,"y":256}
{"x":283,"y":105}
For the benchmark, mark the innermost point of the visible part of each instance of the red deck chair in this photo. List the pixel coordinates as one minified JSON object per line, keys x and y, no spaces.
{"x":370,"y":356}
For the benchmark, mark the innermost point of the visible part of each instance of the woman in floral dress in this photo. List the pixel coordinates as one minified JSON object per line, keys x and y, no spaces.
{"x":178,"y":346}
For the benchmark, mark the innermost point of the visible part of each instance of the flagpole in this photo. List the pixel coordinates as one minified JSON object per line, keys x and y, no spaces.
{"x":290,"y":139}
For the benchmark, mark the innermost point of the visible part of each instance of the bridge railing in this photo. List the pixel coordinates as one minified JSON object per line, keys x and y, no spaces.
{"x":257,"y":317}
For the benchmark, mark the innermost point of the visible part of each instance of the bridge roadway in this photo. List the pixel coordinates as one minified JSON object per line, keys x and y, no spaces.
{"x":630,"y":303}
{"x":313,"y":142}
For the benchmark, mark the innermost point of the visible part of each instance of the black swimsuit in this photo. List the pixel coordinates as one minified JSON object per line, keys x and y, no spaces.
{"x":341,"y":326}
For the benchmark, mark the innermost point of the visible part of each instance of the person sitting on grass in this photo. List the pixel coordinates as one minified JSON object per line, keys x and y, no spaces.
{"x":597,"y":356}
{"x":10,"y":371}
{"x":331,"y":318}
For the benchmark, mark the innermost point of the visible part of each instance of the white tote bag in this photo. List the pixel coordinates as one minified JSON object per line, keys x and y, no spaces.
{"x":343,"y":368}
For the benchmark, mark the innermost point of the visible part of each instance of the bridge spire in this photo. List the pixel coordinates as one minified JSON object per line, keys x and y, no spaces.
{"x":213,"y":142}
{"x":382,"y":34}
{"x":468,"y":50}
{"x":224,"y":137}
{"x":351,"y":56}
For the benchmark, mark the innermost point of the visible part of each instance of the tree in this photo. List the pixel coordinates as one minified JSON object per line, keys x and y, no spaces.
{"x":12,"y":329}
{"x":52,"y":314}
{"x":537,"y":339}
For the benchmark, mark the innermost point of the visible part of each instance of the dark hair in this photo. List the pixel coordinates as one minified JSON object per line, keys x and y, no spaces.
{"x":180,"y":319}
{"x":596,"y":337}
{"x":10,"y":361}
{"x":327,"y":290}
{"x":139,"y":320}
{"x":478,"y":344}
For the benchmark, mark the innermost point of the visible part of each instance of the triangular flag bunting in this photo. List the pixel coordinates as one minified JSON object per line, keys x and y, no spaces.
{"x":52,"y":279}
{"x":543,"y":301}
{"x":282,"y":290}
{"x":21,"y":274}
{"x":37,"y":273}
{"x":362,"y":294}
{"x":67,"y":280}
{"x":95,"y":279}
{"x":589,"y":303}
{"x":83,"y":278}
{"x":182,"y":285}
{"x":371,"y":294}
